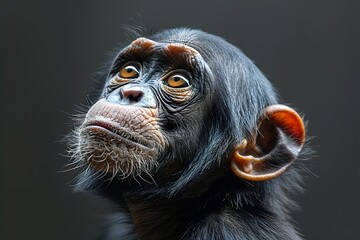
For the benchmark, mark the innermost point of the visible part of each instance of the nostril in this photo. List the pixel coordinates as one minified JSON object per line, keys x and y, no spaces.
{"x":133,"y":94}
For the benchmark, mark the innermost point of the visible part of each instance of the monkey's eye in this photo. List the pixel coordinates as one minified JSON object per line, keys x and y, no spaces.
{"x":177,"y":81}
{"x":131,"y":70}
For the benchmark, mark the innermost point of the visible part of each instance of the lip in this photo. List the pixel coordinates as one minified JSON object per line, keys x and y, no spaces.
{"x":114,"y":131}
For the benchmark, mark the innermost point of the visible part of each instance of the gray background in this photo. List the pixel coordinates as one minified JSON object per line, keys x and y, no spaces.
{"x":50,"y":51}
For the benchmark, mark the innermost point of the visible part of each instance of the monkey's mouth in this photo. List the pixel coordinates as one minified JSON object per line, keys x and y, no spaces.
{"x":107,"y":128}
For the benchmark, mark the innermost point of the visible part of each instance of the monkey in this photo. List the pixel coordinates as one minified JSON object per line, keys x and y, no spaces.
{"x":189,"y":141}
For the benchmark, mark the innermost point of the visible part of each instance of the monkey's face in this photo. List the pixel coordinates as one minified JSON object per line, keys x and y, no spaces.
{"x":144,"y":106}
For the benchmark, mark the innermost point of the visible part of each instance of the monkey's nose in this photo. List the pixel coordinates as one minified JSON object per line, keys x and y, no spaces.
{"x":134,"y":94}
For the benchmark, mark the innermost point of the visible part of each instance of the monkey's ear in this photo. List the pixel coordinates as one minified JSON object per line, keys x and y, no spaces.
{"x":273,"y":148}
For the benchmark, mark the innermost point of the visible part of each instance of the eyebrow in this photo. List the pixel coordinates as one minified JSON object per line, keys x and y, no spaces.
{"x":180,"y":48}
{"x":178,"y":54}
{"x":139,"y":49}
{"x":143,"y":44}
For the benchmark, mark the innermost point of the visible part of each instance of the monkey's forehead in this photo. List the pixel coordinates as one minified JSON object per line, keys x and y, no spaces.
{"x":171,"y":48}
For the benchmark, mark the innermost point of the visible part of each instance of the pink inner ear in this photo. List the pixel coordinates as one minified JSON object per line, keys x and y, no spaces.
{"x":288,"y":120}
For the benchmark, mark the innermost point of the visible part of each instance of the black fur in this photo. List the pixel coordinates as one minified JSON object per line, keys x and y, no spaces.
{"x":194,"y":195}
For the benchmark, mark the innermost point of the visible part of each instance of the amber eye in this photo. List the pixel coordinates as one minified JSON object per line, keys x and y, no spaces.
{"x":130,"y":71}
{"x":177,"y":81}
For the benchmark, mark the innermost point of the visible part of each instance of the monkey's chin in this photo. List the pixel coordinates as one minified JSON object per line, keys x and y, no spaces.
{"x":118,"y":155}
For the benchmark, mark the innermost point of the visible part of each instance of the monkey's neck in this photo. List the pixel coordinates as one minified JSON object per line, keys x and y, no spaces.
{"x":163,"y":219}
{"x":213,"y":211}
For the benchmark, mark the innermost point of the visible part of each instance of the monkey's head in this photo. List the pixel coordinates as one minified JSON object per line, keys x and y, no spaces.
{"x":182,"y":105}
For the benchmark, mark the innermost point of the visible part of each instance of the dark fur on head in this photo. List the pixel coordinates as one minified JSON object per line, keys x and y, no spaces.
{"x":193,"y":194}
